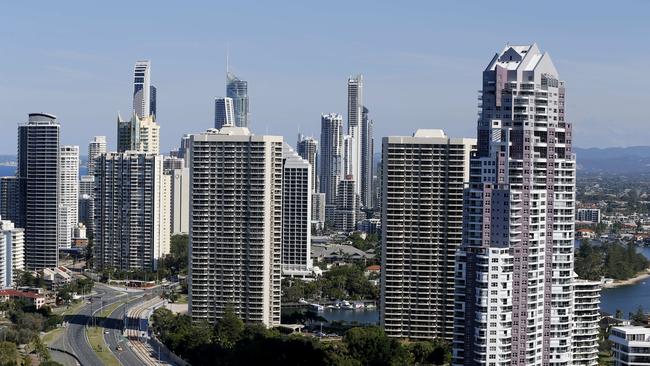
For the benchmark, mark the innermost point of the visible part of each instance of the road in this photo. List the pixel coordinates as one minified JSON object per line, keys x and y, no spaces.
{"x":127,"y":356}
{"x":74,"y":338}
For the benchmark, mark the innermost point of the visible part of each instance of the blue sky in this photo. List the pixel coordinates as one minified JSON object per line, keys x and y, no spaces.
{"x":422,"y":63}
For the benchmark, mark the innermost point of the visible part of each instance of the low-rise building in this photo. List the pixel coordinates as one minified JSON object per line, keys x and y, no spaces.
{"x":32,"y":298}
{"x":56,"y":277}
{"x":338,"y":252}
{"x":591,"y":215}
{"x":630,"y":345}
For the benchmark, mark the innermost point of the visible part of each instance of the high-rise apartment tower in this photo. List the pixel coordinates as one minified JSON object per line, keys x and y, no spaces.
{"x":422,"y":215}
{"x":514,"y":285}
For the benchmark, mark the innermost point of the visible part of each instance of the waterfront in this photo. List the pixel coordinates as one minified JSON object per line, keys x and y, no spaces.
{"x":627,"y":298}
{"x":364,"y":316}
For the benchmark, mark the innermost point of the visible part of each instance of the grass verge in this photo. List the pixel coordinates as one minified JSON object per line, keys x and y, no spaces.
{"x":96,"y":339}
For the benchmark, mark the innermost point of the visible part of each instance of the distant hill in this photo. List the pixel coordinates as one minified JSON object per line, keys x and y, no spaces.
{"x":614,"y":160}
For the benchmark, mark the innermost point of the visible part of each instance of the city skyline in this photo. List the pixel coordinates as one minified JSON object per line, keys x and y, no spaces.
{"x":82,"y":81}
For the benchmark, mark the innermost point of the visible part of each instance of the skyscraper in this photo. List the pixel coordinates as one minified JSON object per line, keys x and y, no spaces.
{"x":38,"y":170}
{"x":345,"y":215}
{"x":355,"y":129}
{"x":68,"y":193}
{"x":514,"y":286}
{"x":307,"y":148}
{"x":142,"y":89}
{"x":422,"y":215}
{"x":296,"y":213}
{"x":96,"y":147}
{"x":367,"y":159}
{"x":224,"y":114}
{"x":131,"y":211}
{"x":10,"y":200}
{"x":331,"y":149}
{"x":152,"y":100}
{"x":138,"y":134}
{"x":12,"y":252}
{"x":180,"y":194}
{"x":237,"y":89}
{"x":235,"y":225}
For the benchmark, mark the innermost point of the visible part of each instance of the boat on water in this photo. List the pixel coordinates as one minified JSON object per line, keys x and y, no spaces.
{"x":318,"y":307}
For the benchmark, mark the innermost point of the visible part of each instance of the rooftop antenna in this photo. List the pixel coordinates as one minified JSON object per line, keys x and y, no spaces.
{"x":227,"y":58}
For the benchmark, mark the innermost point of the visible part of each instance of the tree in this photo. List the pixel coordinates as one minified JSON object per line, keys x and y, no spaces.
{"x":229,"y":328}
{"x":8,"y":354}
{"x":371,"y":346}
{"x":639,"y":318}
{"x":619,"y":314}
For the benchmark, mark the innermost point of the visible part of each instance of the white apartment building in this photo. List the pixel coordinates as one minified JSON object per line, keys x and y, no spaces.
{"x":307,"y":148}
{"x":331,"y":155}
{"x":180,"y":200}
{"x":586,"y":322}
{"x":96,"y":147}
{"x":355,"y":115}
{"x":514,"y":285}
{"x":235,"y":225}
{"x":138,"y":134}
{"x":131,"y":211}
{"x":68,"y":194}
{"x":630,"y":345}
{"x":422,"y":214}
{"x":12,"y":252}
{"x":296,"y":214}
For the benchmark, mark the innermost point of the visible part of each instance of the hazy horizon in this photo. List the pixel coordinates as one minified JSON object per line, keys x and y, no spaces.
{"x":422,"y":64}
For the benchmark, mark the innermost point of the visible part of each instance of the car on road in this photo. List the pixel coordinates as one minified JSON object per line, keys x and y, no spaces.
{"x":118,"y":348}
{"x":106,"y":332}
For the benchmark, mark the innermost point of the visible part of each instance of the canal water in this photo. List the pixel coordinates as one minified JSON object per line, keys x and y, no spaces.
{"x":627,"y":298}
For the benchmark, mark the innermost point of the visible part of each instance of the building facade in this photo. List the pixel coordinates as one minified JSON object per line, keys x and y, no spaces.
{"x":307,"y":148}
{"x":235,"y":225}
{"x":630,"y":345}
{"x":131,"y":211}
{"x":96,"y":147}
{"x":331,"y":151}
{"x":38,"y":170}
{"x":586,"y":329}
{"x":180,"y":194}
{"x":355,"y":131}
{"x":514,"y":285}
{"x":68,"y":194}
{"x":237,"y":89}
{"x":422,"y":214}
{"x":138,"y":134}
{"x":591,"y":215}
{"x":345,"y":215}
{"x":10,"y":201}
{"x":142,"y":96}
{"x":367,"y":160}
{"x":296,"y":213}
{"x":12,"y":252}
{"x":224,"y":113}
{"x":318,"y":210}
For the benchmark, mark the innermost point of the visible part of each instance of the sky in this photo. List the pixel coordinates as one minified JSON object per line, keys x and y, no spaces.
{"x":421,"y":61}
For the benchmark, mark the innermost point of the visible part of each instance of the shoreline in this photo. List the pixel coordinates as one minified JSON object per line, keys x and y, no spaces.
{"x":630,"y":281}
